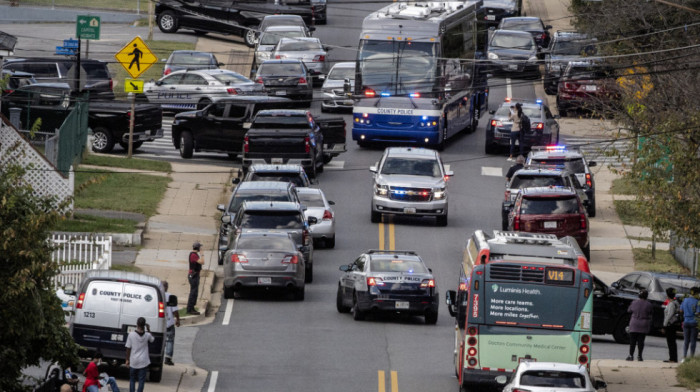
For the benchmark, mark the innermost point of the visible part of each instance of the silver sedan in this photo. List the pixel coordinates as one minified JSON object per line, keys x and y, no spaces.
{"x":334,"y":94}
{"x":271,"y":36}
{"x":319,"y":207}
{"x":196,"y":89}
{"x":309,"y":50}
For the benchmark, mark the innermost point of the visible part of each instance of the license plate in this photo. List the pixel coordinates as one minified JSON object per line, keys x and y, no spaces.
{"x":513,"y":67}
{"x":130,"y":329}
{"x":409,"y":210}
{"x":401,"y":305}
{"x":264,"y":280}
{"x":348,"y":102}
{"x":550,"y":225}
{"x":281,"y":92}
{"x":277,"y":161}
{"x":490,"y":17}
{"x":591,"y":88}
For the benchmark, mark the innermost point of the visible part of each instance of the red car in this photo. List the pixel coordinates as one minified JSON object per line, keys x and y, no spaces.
{"x":585,"y":86}
{"x":551,"y":210}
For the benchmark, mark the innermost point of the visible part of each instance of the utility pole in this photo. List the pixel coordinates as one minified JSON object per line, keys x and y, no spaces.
{"x":150,"y":20}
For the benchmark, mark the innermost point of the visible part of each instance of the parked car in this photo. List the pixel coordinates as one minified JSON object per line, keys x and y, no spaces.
{"x":535,"y":376}
{"x":321,"y":208}
{"x":285,"y":173}
{"x":195,"y":89}
{"x":513,"y":52}
{"x":319,"y":9}
{"x":499,"y":9}
{"x":566,"y":46}
{"x":15,"y":80}
{"x":335,"y":94}
{"x":282,"y":19}
{"x":190,"y":60}
{"x":530,"y":24}
{"x":388,"y":281}
{"x":309,"y":50}
{"x":265,"y":44}
{"x":551,"y":210}
{"x":586,"y":86}
{"x":264,"y":260}
{"x":544,"y":128}
{"x":287,"y":78}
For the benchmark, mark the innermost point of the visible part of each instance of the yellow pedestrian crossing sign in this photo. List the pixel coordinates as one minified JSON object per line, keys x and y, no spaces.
{"x":136,"y":57}
{"x":133,"y":86}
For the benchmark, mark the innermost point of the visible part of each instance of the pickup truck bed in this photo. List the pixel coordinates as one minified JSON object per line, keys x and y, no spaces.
{"x":282,"y":146}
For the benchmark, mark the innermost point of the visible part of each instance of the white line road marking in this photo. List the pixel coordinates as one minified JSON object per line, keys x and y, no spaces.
{"x":335,"y":165}
{"x":509,"y":91}
{"x":212,"y":381}
{"x":491,"y":171}
{"x":227,"y":313}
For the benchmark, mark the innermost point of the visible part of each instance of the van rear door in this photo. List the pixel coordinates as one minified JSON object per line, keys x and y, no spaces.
{"x":96,"y":323}
{"x":139,"y":300}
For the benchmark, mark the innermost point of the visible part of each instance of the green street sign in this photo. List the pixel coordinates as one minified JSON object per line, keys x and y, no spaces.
{"x":87,"y":27}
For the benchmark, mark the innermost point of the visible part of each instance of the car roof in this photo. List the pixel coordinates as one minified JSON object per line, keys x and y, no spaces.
{"x":665,"y":275}
{"x":263,"y":185}
{"x":251,"y":99}
{"x":285,"y":61}
{"x":309,"y":190}
{"x":548,"y":191}
{"x":516,"y":18}
{"x":414,"y":152}
{"x":284,"y":112}
{"x":283,"y":16}
{"x":513,"y":32}
{"x":267,"y":167}
{"x":49,"y":60}
{"x":206,"y":71}
{"x":544,"y":172}
{"x":271,"y":206}
{"x":260,"y":233}
{"x":570,"y":35}
{"x":379,"y":254}
{"x":565,"y":367}
{"x":345,"y":64}
{"x":191,"y":52}
{"x":284,"y":28}
{"x":121,"y":276}
{"x":292,"y":39}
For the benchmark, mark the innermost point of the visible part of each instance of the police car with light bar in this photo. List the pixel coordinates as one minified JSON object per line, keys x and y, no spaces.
{"x":544,"y":128}
{"x":388,"y":281}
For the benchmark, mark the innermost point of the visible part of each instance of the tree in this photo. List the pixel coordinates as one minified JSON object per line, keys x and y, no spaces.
{"x":654,"y":49}
{"x":32,"y":326}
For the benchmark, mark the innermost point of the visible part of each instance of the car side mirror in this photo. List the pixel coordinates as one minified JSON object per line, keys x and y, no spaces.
{"x":226,"y":219}
{"x":311,"y":29}
{"x":615,"y":285}
{"x":312,"y":220}
{"x":592,"y":163}
{"x":159,"y":83}
{"x":220,"y":64}
{"x":600,"y":384}
{"x":331,"y":202}
{"x":223,"y":248}
{"x":69,"y":289}
{"x":548,"y":27}
{"x":221,"y":207}
{"x":236,"y":181}
{"x":256,"y":41}
{"x":449,"y":173}
{"x":172,"y":300}
{"x":451,"y":301}
{"x":373,"y":169}
{"x":345,"y":268}
{"x":502,"y":380}
{"x":246,"y":125}
{"x":492,"y":112}
{"x":508,"y":205}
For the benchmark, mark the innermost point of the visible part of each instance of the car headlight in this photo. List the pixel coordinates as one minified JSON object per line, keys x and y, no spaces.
{"x":532,"y":59}
{"x":381,"y":190}
{"x":439,"y":193}
{"x":492,"y":56}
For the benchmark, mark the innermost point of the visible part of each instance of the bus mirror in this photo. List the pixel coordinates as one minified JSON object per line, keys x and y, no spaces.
{"x":344,"y":268}
{"x":451,"y":300}
{"x":172,"y":300}
{"x":346,"y":86}
{"x":501,"y":380}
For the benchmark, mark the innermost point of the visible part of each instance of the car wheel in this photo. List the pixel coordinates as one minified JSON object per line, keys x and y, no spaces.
{"x":134,"y":145}
{"x":357,"y":314}
{"x":167,"y":22}
{"x":204,"y":102}
{"x":489,"y":148}
{"x":362,"y":144}
{"x":309,"y":276}
{"x":186,"y":144}
{"x":249,"y":38}
{"x":376,"y":217}
{"x":549,"y":89}
{"x":620,"y":333}
{"x":229,"y":292}
{"x":330,"y":242}
{"x":102,"y":141}
{"x":299,"y":293}
{"x":441,"y":220}
{"x":327,"y":158}
{"x":587,"y":252}
{"x":431,"y":317}
{"x":155,"y":374}
{"x":339,"y":302}
{"x":591,"y":208}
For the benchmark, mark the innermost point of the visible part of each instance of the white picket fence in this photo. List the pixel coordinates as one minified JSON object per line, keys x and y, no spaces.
{"x":76,"y":255}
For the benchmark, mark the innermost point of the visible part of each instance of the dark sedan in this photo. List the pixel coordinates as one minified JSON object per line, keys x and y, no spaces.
{"x":544,"y":126}
{"x":513,"y":52}
{"x":530,"y":24}
{"x":287,"y":78}
{"x":499,"y":9}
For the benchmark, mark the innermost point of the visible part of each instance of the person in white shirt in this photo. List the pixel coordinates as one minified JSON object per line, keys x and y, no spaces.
{"x":172,"y":317}
{"x":137,"y":358}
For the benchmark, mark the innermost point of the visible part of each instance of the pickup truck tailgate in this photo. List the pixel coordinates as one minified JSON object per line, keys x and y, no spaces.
{"x":332,"y":128}
{"x":277,"y":142}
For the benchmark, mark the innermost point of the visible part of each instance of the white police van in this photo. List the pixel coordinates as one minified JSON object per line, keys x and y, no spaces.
{"x":107,"y":307}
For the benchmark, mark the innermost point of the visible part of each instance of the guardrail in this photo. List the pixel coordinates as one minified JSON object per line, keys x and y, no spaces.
{"x":76,"y":255}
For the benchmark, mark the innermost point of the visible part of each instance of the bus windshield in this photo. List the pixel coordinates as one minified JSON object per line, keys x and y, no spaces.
{"x":397,"y":67}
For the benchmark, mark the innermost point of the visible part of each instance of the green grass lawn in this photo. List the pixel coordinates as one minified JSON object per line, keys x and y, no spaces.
{"x":133,"y":163}
{"x":623,"y":186}
{"x":95,"y":224}
{"x":664,"y":261}
{"x":689,"y":373}
{"x":630,"y":212}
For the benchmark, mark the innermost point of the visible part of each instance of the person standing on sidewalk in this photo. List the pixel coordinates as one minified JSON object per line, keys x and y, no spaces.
{"x":172,"y":318}
{"x":671,"y":324}
{"x":196,"y":261}
{"x":516,"y":113}
{"x":640,"y":323}
{"x":137,"y":358}
{"x":689,"y":307}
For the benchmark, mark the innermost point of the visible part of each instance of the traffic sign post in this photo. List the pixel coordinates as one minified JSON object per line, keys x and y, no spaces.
{"x":88,"y":27}
{"x":136,"y":57}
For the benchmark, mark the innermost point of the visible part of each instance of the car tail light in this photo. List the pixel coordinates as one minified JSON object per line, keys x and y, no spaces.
{"x":236,"y":258}
{"x":538,"y":125}
{"x":161,"y":310}
{"x":516,"y":223}
{"x":167,"y":71}
{"x":259,"y":80}
{"x":583,"y":221}
{"x":233,"y":91}
{"x":520,"y":390}
{"x":543,"y":36}
{"x":291,"y":259}
{"x":496,"y":123}
{"x":570,"y":86}
{"x":471,"y":351}
{"x":585,"y":349}
{"x":372,"y":281}
{"x":246,"y":146}
{"x":585,"y":339}
{"x":327,"y":215}
{"x":471,"y":341}
{"x":427,"y":283}
{"x":307,"y":144}
{"x":506,"y":195}
{"x":472,"y":331}
{"x":319,"y":58}
{"x":589,"y":180}
{"x":111,"y":84}
{"x":369,"y":93}
{"x":583,"y":359}
{"x":471,"y":362}
{"x":305,"y":237}
{"x":81,"y":299}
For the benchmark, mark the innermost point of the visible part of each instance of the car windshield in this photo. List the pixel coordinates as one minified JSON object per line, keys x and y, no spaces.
{"x":277,"y":122}
{"x":574,"y":165}
{"x":239,"y":198}
{"x":280,"y":69}
{"x":682,"y":286}
{"x":231,"y":78}
{"x":549,"y":205}
{"x":273,"y":37}
{"x":530,"y":111}
{"x":398,"y":265}
{"x":298,"y":46}
{"x":526,"y":181}
{"x":311,"y":199}
{"x":185,"y":59}
{"x":573,"y":48}
{"x":553,"y":379}
{"x":588,"y":72}
{"x":512,"y":41}
{"x":521,"y":24}
{"x":413,"y":167}
{"x":267,"y":243}
{"x":294,"y":178}
{"x":341,"y":73}
{"x":272,"y":219}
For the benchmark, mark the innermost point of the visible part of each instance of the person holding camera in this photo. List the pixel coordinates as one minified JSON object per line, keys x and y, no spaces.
{"x":196,"y":261}
{"x":137,"y":358}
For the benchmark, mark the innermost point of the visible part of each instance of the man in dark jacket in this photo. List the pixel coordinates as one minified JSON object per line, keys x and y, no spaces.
{"x":640,"y":323}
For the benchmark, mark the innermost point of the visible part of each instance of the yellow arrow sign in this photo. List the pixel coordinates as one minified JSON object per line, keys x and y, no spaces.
{"x":136,"y":57}
{"x":133,"y":85}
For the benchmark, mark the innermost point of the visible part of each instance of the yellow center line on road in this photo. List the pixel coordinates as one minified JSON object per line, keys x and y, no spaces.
{"x":394,"y":381}
{"x":392,"y":237}
{"x":381,"y":235}
{"x":380,"y":378}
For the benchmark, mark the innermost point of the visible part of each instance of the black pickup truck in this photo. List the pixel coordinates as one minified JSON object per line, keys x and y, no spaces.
{"x":291,"y":136}
{"x":109,"y":119}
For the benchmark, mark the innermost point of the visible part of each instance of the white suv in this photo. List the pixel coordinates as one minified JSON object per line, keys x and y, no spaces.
{"x":410,"y":181}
